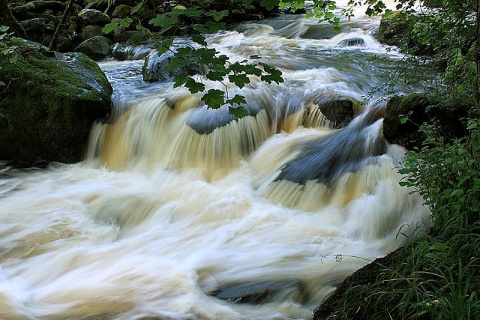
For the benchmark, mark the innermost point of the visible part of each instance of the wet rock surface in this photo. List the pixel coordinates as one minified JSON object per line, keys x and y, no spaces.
{"x":258,"y":292}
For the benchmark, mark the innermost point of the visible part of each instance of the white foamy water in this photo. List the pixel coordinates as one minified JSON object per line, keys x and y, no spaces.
{"x":161,"y":216}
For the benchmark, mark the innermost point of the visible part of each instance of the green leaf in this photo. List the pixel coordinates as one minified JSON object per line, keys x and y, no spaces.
{"x":237,"y":99}
{"x":456,"y":193}
{"x":176,"y":63}
{"x":165,"y":45}
{"x":273,"y":76}
{"x":194,"y":86}
{"x":214,"y":98}
{"x":193,"y":12}
{"x":200,"y":28}
{"x":216,"y":75}
{"x":219,"y":15}
{"x":252,"y":69}
{"x":238,"y":112}
{"x":110,"y":27}
{"x":164,"y":21}
{"x":2,"y":84}
{"x":207,"y":56}
{"x":199,"y":39}
{"x":137,"y":7}
{"x":329,"y":15}
{"x":240,"y":80}
{"x":3,"y":28}
{"x":215,"y":26}
{"x":126,"y":22}
{"x":269,"y":4}
{"x":179,"y":7}
{"x":13,"y":58}
{"x":180,"y":80}
{"x":439,"y":246}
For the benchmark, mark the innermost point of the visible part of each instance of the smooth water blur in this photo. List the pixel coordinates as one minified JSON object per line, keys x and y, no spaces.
{"x":175,"y":202}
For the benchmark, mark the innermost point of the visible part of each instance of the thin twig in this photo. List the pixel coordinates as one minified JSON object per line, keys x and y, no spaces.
{"x":57,"y":30}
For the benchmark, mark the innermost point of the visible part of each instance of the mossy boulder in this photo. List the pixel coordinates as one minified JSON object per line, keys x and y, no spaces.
{"x":97,"y":48}
{"x":416,"y":109}
{"x":352,"y":299}
{"x":91,"y":31}
{"x":93,"y":16}
{"x":121,"y":11}
{"x":398,"y":29}
{"x":39,"y":6}
{"x":48,"y":106}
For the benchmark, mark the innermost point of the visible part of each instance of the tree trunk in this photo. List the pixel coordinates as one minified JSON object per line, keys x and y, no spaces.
{"x":7,"y":19}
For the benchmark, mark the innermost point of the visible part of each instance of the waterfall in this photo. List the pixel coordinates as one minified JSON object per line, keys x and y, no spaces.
{"x":176,"y":204}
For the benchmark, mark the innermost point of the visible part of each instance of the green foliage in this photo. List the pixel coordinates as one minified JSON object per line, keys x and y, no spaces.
{"x":8,"y":47}
{"x":196,"y":21}
{"x":447,"y":175}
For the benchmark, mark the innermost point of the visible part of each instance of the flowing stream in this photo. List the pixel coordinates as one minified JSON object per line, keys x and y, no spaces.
{"x":177,"y":208}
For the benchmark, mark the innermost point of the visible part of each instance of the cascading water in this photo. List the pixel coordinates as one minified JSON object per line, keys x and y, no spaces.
{"x":175,"y":204}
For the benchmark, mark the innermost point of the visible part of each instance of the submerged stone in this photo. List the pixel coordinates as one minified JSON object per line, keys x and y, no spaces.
{"x":325,"y":159}
{"x":352,"y":42}
{"x":204,"y":120}
{"x":259,"y":292}
{"x":338,"y":110}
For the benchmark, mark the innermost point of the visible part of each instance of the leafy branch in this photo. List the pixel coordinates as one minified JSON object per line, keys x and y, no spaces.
{"x":196,"y":22}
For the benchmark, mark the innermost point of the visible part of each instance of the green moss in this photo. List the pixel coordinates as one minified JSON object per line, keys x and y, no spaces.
{"x":49,"y":106}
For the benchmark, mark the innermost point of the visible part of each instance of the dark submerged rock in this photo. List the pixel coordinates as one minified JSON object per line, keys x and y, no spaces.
{"x":339,"y":110}
{"x":259,"y":292}
{"x":49,"y":105}
{"x":204,"y":120}
{"x":352,"y":42}
{"x":346,"y":150}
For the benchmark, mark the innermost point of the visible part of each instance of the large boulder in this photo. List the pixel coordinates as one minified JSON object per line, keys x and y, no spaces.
{"x":48,"y":105}
{"x":154,"y":68}
{"x":405,"y":114}
{"x":397,"y":30}
{"x":338,"y":111}
{"x":97,"y":48}
{"x":91,"y":31}
{"x":93,"y":16}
